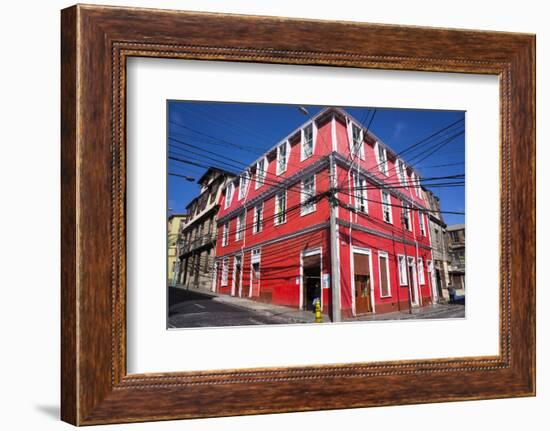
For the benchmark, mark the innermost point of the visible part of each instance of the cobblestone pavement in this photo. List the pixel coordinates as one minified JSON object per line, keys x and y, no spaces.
{"x":195,"y":308}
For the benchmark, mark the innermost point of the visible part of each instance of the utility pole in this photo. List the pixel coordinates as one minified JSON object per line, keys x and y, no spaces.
{"x":335,"y":264}
{"x":406,"y":261}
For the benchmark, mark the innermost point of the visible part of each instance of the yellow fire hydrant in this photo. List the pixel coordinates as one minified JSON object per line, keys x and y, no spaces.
{"x":318,"y":317}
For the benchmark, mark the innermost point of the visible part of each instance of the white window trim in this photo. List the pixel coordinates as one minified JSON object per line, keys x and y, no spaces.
{"x":225,"y":271}
{"x":361,"y":137}
{"x":385,"y":255}
{"x":303,"y":210}
{"x":302,"y":141}
{"x":382,"y":192}
{"x":382,"y":167}
{"x":258,"y":182}
{"x":275,"y":221}
{"x":255,"y":219}
{"x":416,"y":184}
{"x":229,"y":190}
{"x":243,"y":190}
{"x":363,"y":191}
{"x":402,"y":276}
{"x":278,"y":170}
{"x":225,"y":234}
{"x":420,"y":268}
{"x":240,"y":226}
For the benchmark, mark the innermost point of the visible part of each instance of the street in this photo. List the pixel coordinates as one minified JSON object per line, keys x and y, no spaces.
{"x":192,"y":309}
{"x":195,"y":309}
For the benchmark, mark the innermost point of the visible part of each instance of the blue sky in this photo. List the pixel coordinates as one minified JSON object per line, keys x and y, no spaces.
{"x":231,"y":135}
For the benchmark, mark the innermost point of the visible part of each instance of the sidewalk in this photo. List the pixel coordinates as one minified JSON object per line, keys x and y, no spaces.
{"x":434,"y":311}
{"x":279,"y":312}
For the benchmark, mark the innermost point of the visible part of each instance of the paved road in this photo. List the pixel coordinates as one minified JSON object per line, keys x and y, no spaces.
{"x":191,"y":309}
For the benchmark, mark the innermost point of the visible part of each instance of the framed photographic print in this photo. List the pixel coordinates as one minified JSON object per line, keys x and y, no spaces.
{"x":260,"y":217}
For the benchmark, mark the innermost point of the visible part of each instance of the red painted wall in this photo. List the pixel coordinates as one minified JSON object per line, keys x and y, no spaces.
{"x":280,"y":261}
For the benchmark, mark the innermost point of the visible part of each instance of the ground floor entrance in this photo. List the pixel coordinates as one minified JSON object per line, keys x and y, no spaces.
{"x":311,"y":276}
{"x":363,"y":283}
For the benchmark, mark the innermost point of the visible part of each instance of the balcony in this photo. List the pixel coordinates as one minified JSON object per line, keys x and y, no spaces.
{"x":194,"y":244}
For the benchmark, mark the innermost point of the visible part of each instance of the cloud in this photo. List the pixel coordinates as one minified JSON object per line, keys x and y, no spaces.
{"x":398,"y":129}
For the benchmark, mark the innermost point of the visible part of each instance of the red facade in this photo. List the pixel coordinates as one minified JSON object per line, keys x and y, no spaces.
{"x":384,"y":254}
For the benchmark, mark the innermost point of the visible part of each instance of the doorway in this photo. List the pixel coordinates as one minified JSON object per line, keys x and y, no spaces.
{"x":237,"y":271}
{"x":413,"y":284}
{"x":363,"y":283}
{"x":311,"y":273}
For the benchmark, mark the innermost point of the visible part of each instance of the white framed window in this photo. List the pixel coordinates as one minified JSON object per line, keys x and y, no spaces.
{"x":308,"y":141}
{"x":261,"y":169}
{"x":386,"y":207}
{"x":381,"y":158}
{"x":360,"y":193}
{"x":283,"y":151}
{"x":308,"y":192}
{"x":240,"y":226}
{"x":280,"y":208}
{"x":384,"y":274}
{"x":243,"y":184}
{"x":401,"y":172}
{"x":258,"y":218}
{"x":225,"y":234}
{"x":421,"y":278}
{"x":225,"y":271}
{"x":229,"y":194}
{"x":356,"y":141}
{"x":402,"y":265}
{"x":406,"y":215}
{"x":421,"y":223}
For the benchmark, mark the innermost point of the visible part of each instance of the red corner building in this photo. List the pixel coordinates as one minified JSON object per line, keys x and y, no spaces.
{"x":277,"y":236}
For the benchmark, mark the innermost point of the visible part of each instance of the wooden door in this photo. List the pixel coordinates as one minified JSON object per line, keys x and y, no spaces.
{"x":412,"y":285}
{"x":237,"y":275}
{"x":255,"y":278}
{"x":363,"y":284}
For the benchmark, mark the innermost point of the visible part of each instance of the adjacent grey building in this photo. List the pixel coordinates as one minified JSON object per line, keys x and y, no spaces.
{"x":441,"y":260}
{"x":197,"y":237}
{"x":457,"y":249}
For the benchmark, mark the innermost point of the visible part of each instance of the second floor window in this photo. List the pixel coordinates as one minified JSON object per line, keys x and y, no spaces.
{"x":282,"y":157}
{"x":307,"y":142}
{"x":229,"y":194}
{"x":243,"y":185}
{"x":406,"y":216}
{"x":386,"y":207}
{"x":240,"y":227}
{"x":225,"y":234}
{"x":258,"y":216}
{"x":260,"y":172}
{"x":360,"y":193}
{"x":307,"y":195}
{"x":280,"y":207}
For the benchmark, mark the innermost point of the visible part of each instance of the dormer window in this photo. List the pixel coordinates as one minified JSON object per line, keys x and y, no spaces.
{"x":229,"y":194}
{"x":382,"y":158}
{"x":261,"y":169}
{"x":243,"y":184}
{"x":401,"y":173}
{"x":307,"y":142}
{"x":282,"y":157}
{"x":356,"y":141}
